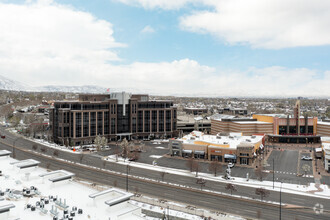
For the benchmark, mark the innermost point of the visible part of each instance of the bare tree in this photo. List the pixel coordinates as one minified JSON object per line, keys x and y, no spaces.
{"x":34,"y":147}
{"x":262,"y":192}
{"x":43,"y":149}
{"x":259,"y":172}
{"x":136,"y":190}
{"x":162,"y":175}
{"x":81,"y":157}
{"x":98,"y":142}
{"x":124,"y":147}
{"x":231,"y":188}
{"x":115,"y":183}
{"x":56,"y":153}
{"x":215,"y":167}
{"x":134,"y":155}
{"x":116,"y":152}
{"x":104,"y":163}
{"x":195,"y":167}
{"x":48,"y":165}
{"x":190,"y":164}
{"x":201,"y":181}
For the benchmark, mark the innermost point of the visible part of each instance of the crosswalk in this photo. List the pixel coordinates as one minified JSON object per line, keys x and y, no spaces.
{"x":283,"y":172}
{"x":290,"y":173}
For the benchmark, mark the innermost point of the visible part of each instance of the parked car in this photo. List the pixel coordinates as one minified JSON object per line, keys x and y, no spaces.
{"x":306,"y":158}
{"x":3,"y":136}
{"x":231,"y":165}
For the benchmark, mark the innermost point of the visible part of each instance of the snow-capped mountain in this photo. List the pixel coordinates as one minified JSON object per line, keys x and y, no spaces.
{"x":8,"y":84}
{"x":72,"y":89}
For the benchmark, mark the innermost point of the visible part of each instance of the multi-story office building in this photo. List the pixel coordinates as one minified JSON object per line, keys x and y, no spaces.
{"x":114,"y":116}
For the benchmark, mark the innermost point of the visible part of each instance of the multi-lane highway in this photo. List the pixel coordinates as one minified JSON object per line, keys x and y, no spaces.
{"x":23,"y":149}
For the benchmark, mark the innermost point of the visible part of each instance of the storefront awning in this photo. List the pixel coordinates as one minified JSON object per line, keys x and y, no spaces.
{"x":187,"y":151}
{"x":199,"y":152}
{"x":230,"y":156}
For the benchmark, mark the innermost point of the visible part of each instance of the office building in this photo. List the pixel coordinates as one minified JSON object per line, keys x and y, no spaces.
{"x":115,"y":116}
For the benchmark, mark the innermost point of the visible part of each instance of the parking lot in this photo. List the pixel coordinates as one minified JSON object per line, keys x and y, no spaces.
{"x":288,"y":166}
{"x":288,"y":163}
{"x":151,"y":152}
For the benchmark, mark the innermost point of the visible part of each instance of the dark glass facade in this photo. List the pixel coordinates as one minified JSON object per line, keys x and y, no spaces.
{"x":79,"y":122}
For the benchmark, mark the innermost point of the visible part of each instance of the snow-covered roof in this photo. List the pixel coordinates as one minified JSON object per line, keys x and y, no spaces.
{"x":72,"y":193}
{"x":251,"y":122}
{"x":197,"y":137}
{"x":323,"y":123}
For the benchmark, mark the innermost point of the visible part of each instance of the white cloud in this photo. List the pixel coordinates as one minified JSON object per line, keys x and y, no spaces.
{"x":55,"y":44}
{"x":147,"y":30}
{"x":163,"y":4}
{"x":271,"y":24}
{"x":51,"y":35}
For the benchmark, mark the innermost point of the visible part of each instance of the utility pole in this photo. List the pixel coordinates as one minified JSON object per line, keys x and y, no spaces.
{"x":273,"y":172}
{"x":281,"y":202}
{"x":127,"y":167}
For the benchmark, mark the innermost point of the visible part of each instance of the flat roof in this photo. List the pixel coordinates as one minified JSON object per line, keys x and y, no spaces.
{"x":251,"y":122}
{"x":323,"y":123}
{"x":216,"y":141}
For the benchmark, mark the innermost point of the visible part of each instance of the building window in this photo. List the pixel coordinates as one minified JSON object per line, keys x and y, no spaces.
{"x":140,"y":121}
{"x":168,"y":120}
{"x":93,"y":123}
{"x":161,"y":121}
{"x":244,"y":161}
{"x":106,"y":122}
{"x":100,"y":123}
{"x":113,"y":125}
{"x":147,"y":121}
{"x":154,"y":121}
{"x":78,"y":124}
{"x":133,"y":125}
{"x":86,"y":124}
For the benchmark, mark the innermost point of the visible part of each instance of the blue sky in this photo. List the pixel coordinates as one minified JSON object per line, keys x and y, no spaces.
{"x":179,"y":47}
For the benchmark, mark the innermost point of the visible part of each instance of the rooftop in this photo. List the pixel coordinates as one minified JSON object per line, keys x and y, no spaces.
{"x":68,"y":192}
{"x":251,"y":122}
{"x":231,"y":141}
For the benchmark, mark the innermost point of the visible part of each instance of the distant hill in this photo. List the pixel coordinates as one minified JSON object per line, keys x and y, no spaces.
{"x":8,"y":84}
{"x":72,"y":89}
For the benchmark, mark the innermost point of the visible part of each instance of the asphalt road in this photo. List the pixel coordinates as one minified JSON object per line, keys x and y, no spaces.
{"x":194,"y":197}
{"x":286,"y":167}
{"x":94,"y":160}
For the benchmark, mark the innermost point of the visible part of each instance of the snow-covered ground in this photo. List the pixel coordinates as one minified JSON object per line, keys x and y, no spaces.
{"x":156,"y":156}
{"x":286,"y":187}
{"x":75,"y":193}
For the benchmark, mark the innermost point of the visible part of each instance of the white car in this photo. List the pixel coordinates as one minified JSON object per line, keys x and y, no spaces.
{"x":231,"y":165}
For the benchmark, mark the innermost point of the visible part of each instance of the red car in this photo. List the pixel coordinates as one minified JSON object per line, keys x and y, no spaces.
{"x":3,"y":136}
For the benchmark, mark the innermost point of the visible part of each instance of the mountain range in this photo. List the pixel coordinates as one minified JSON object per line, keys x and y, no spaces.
{"x":8,"y":84}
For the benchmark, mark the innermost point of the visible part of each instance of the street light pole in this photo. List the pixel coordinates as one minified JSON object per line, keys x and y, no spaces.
{"x":13,"y":147}
{"x":273,"y":172}
{"x":281,"y":202}
{"x":127,"y":169}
